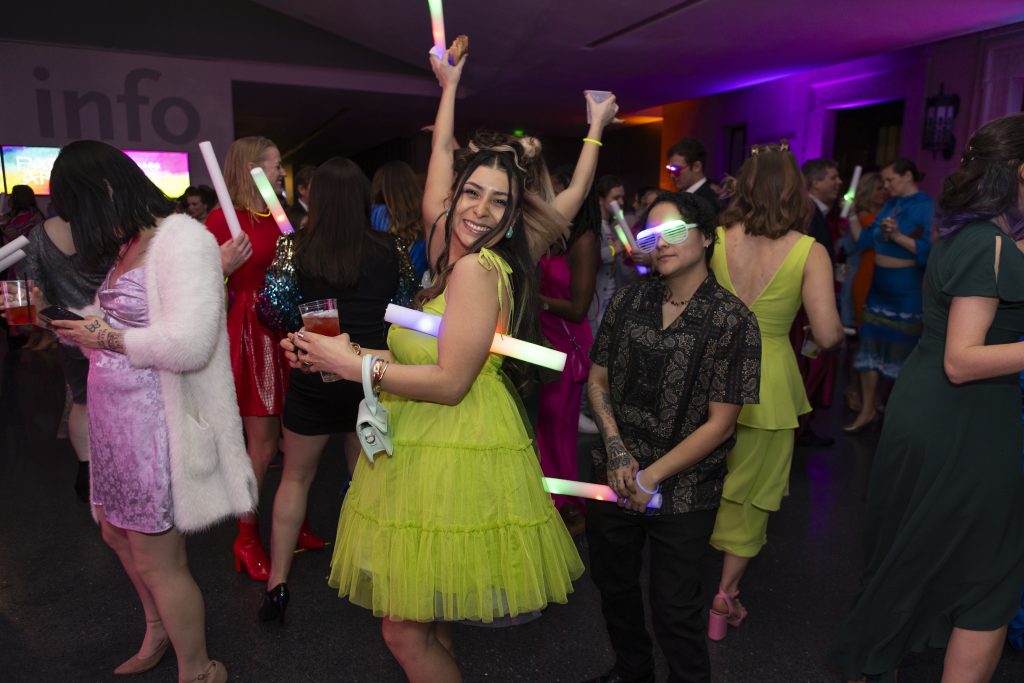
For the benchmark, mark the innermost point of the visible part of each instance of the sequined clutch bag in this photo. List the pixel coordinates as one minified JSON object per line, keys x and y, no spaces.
{"x":277,"y":301}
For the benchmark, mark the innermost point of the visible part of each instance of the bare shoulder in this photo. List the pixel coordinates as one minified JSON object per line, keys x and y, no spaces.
{"x":471,"y":270}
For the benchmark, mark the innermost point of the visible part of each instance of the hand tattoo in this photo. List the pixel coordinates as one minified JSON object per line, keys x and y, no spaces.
{"x":93,"y":326}
{"x":618,"y":456}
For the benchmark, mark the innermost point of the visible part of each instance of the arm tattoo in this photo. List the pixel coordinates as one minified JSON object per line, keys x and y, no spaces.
{"x":112,"y":340}
{"x":93,"y":326}
{"x":602,"y":405}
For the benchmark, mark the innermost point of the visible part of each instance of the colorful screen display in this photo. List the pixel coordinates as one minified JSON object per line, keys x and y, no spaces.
{"x":31,"y":166}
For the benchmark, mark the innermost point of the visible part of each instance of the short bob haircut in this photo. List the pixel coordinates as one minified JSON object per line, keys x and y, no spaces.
{"x":770,"y":197}
{"x":987,"y":183}
{"x":693,"y":209}
{"x":105,"y":197}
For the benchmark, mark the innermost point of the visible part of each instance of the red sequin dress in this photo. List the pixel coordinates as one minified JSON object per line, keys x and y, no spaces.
{"x":257,"y":360}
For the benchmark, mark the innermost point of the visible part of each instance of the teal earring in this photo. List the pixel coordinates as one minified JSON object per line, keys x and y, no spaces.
{"x":508,"y":233}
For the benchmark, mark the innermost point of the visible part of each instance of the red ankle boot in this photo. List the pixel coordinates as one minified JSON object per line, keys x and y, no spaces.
{"x":249,"y":552}
{"x":307,"y":540}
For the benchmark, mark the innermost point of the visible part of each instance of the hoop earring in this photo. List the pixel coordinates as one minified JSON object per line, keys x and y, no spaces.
{"x":508,"y":233}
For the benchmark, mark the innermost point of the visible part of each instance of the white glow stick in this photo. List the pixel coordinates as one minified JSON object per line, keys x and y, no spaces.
{"x":503,"y":345}
{"x":221,"y":188}
{"x":851,"y":193}
{"x":273,"y":203}
{"x":11,"y":259}
{"x":580,"y":489}
{"x":13,"y":246}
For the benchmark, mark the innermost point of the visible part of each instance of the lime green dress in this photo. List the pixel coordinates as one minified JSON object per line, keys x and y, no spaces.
{"x":455,"y":525}
{"x":758,"y":465}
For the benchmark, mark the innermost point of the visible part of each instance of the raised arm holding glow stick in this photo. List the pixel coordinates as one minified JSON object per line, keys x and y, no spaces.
{"x":851,"y":193}
{"x":273,"y":203}
{"x":220,"y":187}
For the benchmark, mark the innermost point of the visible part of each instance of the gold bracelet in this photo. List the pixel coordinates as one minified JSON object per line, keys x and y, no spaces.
{"x":380,"y":366}
{"x":596,"y":142}
{"x":357,"y":348}
{"x":612,"y":248}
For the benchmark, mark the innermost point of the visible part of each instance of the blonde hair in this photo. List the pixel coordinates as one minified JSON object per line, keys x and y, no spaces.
{"x":241,"y":153}
{"x":869,"y":183}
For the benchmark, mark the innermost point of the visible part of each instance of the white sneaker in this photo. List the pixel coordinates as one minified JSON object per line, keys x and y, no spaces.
{"x":587,"y":426}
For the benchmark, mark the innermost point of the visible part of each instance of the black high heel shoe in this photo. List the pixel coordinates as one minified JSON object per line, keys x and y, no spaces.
{"x":275,"y":601}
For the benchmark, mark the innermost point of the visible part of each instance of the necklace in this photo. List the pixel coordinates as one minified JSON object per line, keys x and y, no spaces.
{"x":667,"y":298}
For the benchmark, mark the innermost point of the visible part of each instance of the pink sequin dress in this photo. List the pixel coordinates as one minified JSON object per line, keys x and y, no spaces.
{"x":128,"y":440}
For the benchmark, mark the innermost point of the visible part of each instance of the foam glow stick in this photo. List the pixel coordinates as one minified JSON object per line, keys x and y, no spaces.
{"x":13,"y":246}
{"x":502,"y":345}
{"x":221,"y":188}
{"x":437,"y":27}
{"x":624,"y":232}
{"x":11,"y":259}
{"x":580,"y":489}
{"x":851,"y":193}
{"x":273,"y":203}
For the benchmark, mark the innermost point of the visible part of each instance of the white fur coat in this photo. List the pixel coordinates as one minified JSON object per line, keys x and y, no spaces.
{"x":186,"y":340}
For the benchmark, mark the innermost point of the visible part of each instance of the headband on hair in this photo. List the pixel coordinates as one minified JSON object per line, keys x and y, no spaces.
{"x":756,"y":149}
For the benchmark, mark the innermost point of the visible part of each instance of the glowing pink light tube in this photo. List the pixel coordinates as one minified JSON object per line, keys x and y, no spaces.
{"x":502,"y":345}
{"x":437,"y":28}
{"x":11,"y":259}
{"x":273,"y":203}
{"x":580,"y":489}
{"x":221,"y":188}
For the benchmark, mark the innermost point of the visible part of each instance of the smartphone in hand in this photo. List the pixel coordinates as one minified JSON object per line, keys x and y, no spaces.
{"x":51,"y":313}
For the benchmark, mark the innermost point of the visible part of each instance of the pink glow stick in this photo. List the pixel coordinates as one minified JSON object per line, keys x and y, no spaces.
{"x":581,"y":489}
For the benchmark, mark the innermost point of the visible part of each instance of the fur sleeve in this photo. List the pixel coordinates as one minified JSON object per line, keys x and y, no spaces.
{"x":188,"y":315}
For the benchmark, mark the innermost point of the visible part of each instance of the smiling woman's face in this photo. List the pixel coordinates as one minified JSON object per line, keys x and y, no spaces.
{"x":480,"y":207}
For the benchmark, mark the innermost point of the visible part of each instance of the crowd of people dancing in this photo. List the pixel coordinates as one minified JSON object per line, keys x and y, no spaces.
{"x":697,"y":346}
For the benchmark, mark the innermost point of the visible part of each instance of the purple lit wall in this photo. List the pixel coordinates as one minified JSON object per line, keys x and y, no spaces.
{"x":985,"y":69}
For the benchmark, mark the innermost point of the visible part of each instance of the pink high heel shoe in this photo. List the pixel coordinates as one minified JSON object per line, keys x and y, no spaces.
{"x":718,"y":623}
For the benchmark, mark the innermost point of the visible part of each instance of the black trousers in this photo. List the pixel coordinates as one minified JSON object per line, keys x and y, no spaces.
{"x":679,"y":546}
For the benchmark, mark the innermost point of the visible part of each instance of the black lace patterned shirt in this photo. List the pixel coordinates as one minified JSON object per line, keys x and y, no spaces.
{"x":662,"y":381}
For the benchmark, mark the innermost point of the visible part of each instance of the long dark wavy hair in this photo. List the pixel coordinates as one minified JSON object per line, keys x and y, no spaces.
{"x":986,"y":184}
{"x":509,"y":157}
{"x":105,"y":197}
{"x":338,"y":233}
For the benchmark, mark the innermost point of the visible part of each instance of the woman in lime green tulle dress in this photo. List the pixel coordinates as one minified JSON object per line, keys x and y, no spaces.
{"x":455,"y":525}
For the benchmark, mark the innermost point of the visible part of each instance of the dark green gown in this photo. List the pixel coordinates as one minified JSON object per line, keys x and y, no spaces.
{"x":944,"y":519}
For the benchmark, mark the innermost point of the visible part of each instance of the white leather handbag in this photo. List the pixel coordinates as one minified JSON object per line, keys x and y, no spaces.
{"x":372,"y":419}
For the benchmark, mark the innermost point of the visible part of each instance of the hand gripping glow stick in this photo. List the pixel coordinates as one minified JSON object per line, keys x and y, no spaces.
{"x":502,"y":345}
{"x":437,"y":27}
{"x":624,"y":232}
{"x":13,"y":246}
{"x":221,"y":188}
{"x":851,"y":193}
{"x":567,"y":487}
{"x":273,"y":203}
{"x":11,"y":259}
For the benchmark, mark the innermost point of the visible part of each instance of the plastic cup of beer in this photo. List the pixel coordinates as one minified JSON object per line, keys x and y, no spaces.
{"x":20,"y":310}
{"x":321,"y":317}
